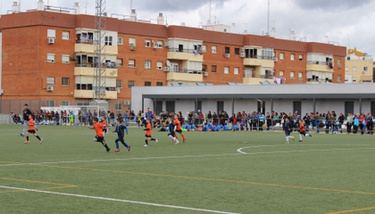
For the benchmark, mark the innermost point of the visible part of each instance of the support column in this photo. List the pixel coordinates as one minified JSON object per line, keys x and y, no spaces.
{"x":360,"y":105}
{"x":314,"y":105}
{"x":232,"y":107}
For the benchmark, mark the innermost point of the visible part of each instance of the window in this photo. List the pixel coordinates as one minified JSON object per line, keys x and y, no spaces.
{"x":354,"y":69}
{"x":119,"y":62}
{"x":65,"y":103}
{"x":159,"y":65}
{"x":131,"y":41}
{"x":65,"y":58}
{"x":338,"y":78}
{"x":131,"y":84}
{"x":204,"y":67}
{"x":118,"y":83}
{"x":50,"y":57}
{"x":292,"y":57}
{"x":346,"y":69}
{"x":108,"y":40}
{"x":281,"y":73}
{"x":120,"y":41}
{"x":236,"y":51}
{"x":131,"y":63}
{"x":354,"y":79}
{"x":159,"y":44}
{"x":300,"y":75}
{"x":339,"y":63}
{"x":50,"y":103}
{"x":147,"y":43}
{"x":147,"y":64}
{"x":227,"y":50}
{"x":50,"y":80}
{"x":147,"y":83}
{"x":118,"y":106}
{"x":365,"y":69}
{"x":300,"y":57}
{"x":51,"y":33}
{"x":226,"y":70}
{"x":292,"y":74}
{"x":159,"y":83}
{"x":281,"y":56}
{"x":65,"y":81}
{"x":236,"y":71}
{"x":213,"y":68}
{"x":213,"y":50}
{"x":65,"y":35}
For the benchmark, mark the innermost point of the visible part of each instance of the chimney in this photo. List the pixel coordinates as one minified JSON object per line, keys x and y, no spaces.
{"x":160,"y":19}
{"x":40,"y":5}
{"x":15,"y":7}
{"x":76,"y":7}
{"x":133,"y":15}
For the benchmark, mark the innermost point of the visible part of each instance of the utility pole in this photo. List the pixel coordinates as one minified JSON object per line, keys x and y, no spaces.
{"x":100,"y":22}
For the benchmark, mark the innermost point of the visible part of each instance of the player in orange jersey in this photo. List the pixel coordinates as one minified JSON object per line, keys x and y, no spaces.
{"x":105,"y":126}
{"x":148,"y":132}
{"x":99,"y":133}
{"x":302,"y":130}
{"x":177,"y":123}
{"x":31,"y":130}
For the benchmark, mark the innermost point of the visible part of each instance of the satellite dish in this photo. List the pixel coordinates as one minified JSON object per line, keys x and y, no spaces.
{"x":168,"y":63}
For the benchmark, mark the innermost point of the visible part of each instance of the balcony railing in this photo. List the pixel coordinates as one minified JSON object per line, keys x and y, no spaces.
{"x":95,"y":65}
{"x":190,"y":71}
{"x":85,"y":41}
{"x":196,"y":52}
{"x":259,"y":57}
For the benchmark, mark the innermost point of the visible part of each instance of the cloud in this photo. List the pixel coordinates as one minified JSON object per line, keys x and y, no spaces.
{"x":330,"y":5}
{"x":174,"y":5}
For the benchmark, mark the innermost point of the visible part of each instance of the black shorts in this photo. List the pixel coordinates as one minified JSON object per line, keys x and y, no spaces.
{"x":171,"y":134}
{"x":179,"y":131}
{"x":98,"y":139}
{"x":31,"y":131}
{"x":148,"y":136}
{"x":304,"y":133}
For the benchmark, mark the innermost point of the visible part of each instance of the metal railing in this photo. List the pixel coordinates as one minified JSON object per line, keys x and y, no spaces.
{"x":196,"y":52}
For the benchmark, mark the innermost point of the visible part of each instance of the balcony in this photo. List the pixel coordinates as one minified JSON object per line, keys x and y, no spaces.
{"x":90,"y":71}
{"x":184,"y":54}
{"x":259,"y":61}
{"x":319,"y":66}
{"x":185,"y":76}
{"x":90,"y":48}
{"x":257,"y":79}
{"x":89,"y":94}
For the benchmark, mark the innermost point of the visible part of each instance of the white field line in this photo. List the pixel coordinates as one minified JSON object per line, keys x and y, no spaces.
{"x":299,"y":151}
{"x":119,"y":200}
{"x":124,"y":159}
{"x":239,"y":152}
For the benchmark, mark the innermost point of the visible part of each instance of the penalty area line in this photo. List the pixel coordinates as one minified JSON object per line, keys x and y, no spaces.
{"x":119,"y":200}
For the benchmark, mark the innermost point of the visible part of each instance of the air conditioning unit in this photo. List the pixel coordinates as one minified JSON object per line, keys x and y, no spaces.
{"x":275,"y":59}
{"x":118,"y":90}
{"x":227,"y":55}
{"x":49,"y":88}
{"x":132,"y":48}
{"x":166,"y":69}
{"x":166,"y":44}
{"x":205,"y":74}
{"x":127,"y":102}
{"x":242,"y":55}
{"x":51,"y":40}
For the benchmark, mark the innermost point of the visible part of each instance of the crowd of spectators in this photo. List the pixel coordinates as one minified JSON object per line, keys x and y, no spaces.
{"x":329,"y":122}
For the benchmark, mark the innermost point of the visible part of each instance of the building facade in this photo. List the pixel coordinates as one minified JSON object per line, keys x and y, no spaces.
{"x":358,"y":68}
{"x":49,"y":58}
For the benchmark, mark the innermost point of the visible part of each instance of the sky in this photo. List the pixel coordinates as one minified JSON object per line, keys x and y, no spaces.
{"x":348,"y":23}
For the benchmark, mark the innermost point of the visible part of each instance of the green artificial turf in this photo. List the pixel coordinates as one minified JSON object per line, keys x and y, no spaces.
{"x":213,"y":172}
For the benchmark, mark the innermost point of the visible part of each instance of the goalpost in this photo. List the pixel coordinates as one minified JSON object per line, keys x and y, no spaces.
{"x":82,"y":114}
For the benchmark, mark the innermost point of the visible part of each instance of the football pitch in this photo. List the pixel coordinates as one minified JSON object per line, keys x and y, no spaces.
{"x":213,"y":172}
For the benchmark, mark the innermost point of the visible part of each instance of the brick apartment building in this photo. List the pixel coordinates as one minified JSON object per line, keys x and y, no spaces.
{"x":48,"y":59}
